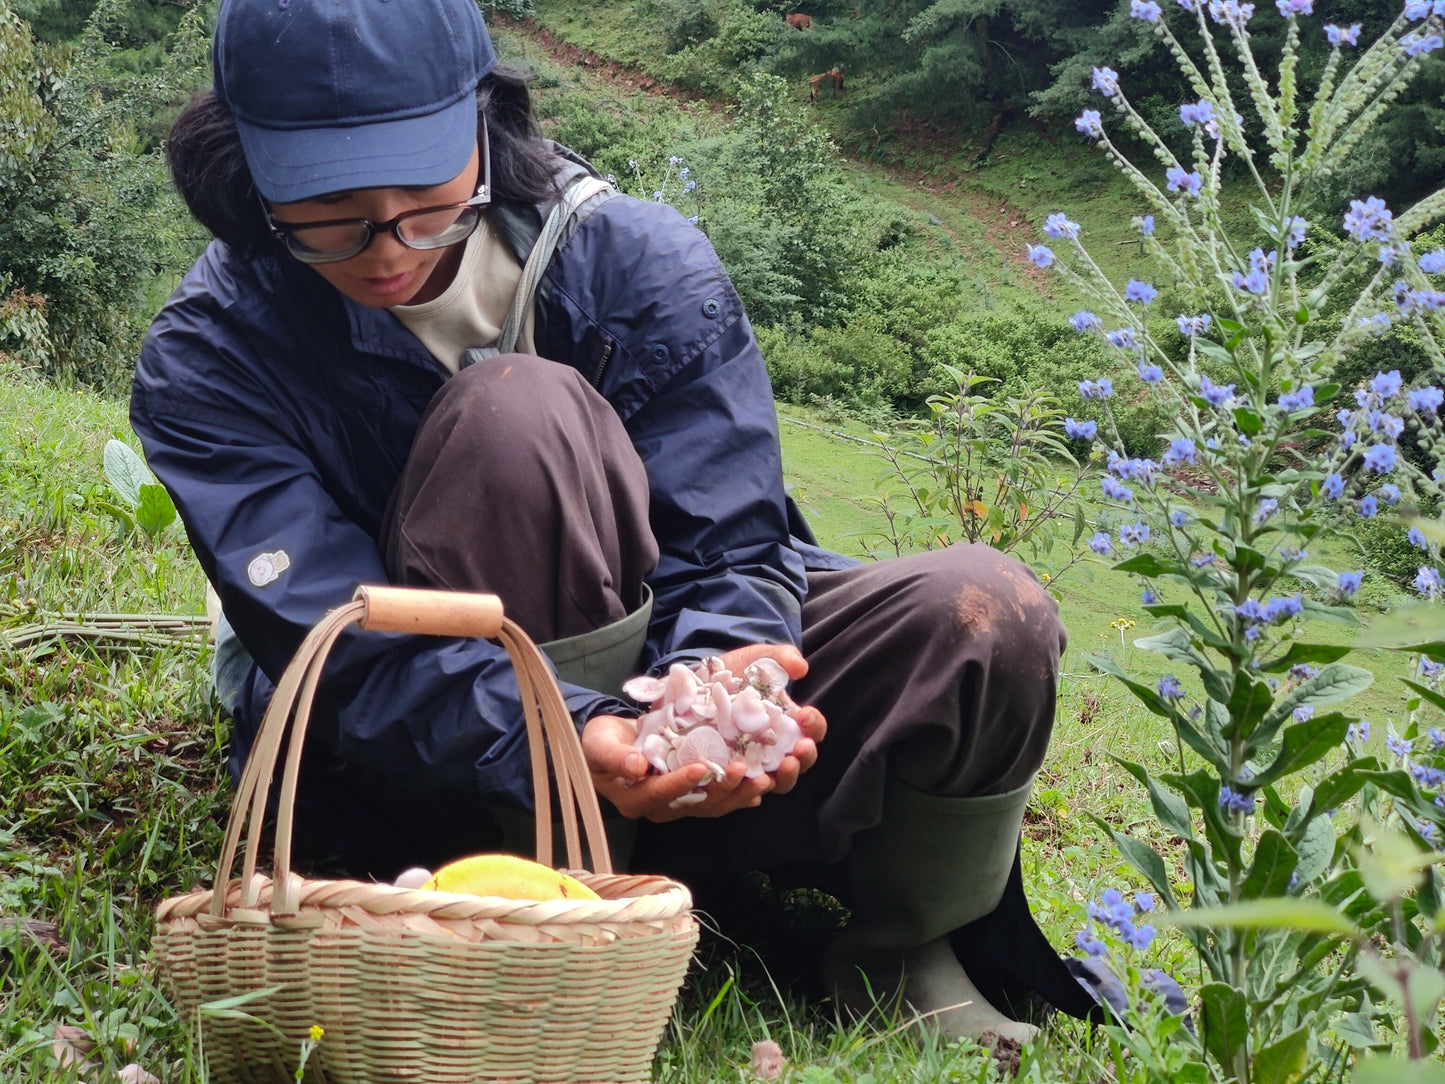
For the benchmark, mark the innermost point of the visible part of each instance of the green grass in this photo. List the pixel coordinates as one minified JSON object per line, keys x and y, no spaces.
{"x":110,"y":761}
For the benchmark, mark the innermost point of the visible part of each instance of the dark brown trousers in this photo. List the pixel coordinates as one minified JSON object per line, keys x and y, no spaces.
{"x":940,"y":668}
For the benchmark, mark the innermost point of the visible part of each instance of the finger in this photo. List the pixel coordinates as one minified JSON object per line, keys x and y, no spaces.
{"x":786,"y":655}
{"x":786,"y":777}
{"x":812,"y":723}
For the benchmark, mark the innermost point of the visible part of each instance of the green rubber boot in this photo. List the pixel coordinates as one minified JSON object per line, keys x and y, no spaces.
{"x":933,"y":864}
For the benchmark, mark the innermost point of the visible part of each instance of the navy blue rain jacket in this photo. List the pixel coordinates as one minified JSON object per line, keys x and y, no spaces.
{"x":279,"y":414}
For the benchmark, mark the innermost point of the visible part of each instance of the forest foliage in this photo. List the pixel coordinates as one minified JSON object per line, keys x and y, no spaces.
{"x":853,"y":306}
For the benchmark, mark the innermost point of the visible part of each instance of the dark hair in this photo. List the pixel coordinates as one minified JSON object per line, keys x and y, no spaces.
{"x":210,"y":172}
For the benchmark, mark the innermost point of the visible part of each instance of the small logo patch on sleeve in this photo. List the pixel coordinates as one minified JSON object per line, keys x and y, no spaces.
{"x":267,"y":567}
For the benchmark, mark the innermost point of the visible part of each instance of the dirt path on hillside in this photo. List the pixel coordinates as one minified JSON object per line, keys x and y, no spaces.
{"x":1005,"y":229}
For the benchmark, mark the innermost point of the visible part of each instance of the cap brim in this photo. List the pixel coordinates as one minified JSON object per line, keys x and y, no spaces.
{"x":289,"y":165}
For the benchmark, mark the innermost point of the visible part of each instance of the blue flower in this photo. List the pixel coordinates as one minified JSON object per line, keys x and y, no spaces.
{"x":1333,"y":487}
{"x":1057,"y":225}
{"x":1088,"y":123}
{"x":1148,"y":597}
{"x":1294,"y":7}
{"x":1429,"y":668}
{"x":1386,"y":384}
{"x":689,"y":186}
{"x":1096,"y":389}
{"x":1267,"y":508}
{"x":1144,"y":902}
{"x":1178,"y":517}
{"x":1142,"y":292}
{"x":1277,"y":609}
{"x":1170,"y":689}
{"x":1146,"y":226}
{"x":1426,"y":400}
{"x":1369,"y":220}
{"x":1134,"y":534}
{"x":1417,"y":538}
{"x":1077,"y":430}
{"x":1432,"y":263}
{"x":1256,"y":282}
{"x":1301,"y":399}
{"x":1100,"y":544}
{"x":1398,"y":746}
{"x":1084,"y":320}
{"x":1191,"y":326}
{"x":1294,"y":231}
{"x":1200,"y":112}
{"x":693,"y":220}
{"x":1230,"y":12}
{"x":682,"y":173}
{"x":1375,"y":325}
{"x":1117,"y":491}
{"x":1040,"y":255}
{"x":1436,"y":736}
{"x":1427,"y":581}
{"x":1415,"y":10}
{"x":1181,"y":450}
{"x":1147,"y":10}
{"x":1150,"y":373}
{"x":1216,"y":395}
{"x":1380,"y":458}
{"x":1389,"y":493}
{"x":1368,"y":507}
{"x":1358,"y":733}
{"x":1090,"y":945}
{"x":1301,"y":671}
{"x":1422,"y":44}
{"x":1180,"y":181}
{"x":1347,"y":583}
{"x":1304,"y":713}
{"x":1233,"y":801}
{"x":1426,"y":775}
{"x":1141,"y":937}
{"x":1343,"y":36}
{"x":1106,"y":81}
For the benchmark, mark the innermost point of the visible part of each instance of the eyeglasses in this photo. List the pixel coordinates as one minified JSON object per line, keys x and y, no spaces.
{"x":425,"y":228}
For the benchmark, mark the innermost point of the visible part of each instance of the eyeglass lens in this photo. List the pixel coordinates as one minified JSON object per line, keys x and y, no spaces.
{"x":423,"y":229}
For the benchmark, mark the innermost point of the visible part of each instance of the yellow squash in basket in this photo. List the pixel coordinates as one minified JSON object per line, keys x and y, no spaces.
{"x":507,"y":876}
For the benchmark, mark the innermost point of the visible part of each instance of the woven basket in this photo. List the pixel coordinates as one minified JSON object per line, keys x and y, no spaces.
{"x":424,"y":986}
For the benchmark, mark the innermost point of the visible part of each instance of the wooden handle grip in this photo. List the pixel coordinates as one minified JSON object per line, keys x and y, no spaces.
{"x":430,"y":613}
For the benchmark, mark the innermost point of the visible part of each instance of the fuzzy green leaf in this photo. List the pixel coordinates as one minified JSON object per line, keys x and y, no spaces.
{"x":1305,"y":653}
{"x":1144,"y":859}
{"x":126,"y":471}
{"x":1224,"y":1021}
{"x":1306,"y":916}
{"x":1316,"y":848}
{"x":155,"y":510}
{"x":1274,"y":862}
{"x":1398,"y":1071}
{"x":1172,"y":812}
{"x":1283,"y":1061}
{"x":1305,"y":744}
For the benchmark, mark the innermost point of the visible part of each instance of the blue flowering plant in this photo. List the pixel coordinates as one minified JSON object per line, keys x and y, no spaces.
{"x":673,"y":182}
{"x":1265,"y":453}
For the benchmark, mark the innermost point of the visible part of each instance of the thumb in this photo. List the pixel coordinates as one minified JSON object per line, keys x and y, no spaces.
{"x":785,"y":655}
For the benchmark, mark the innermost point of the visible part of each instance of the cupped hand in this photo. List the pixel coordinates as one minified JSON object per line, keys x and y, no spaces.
{"x":622,"y":775}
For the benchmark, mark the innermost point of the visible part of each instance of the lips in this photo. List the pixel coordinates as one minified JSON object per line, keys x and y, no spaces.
{"x":389,"y":285}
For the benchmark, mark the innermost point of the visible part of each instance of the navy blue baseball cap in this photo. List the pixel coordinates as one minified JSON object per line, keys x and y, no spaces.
{"x":333,"y":95}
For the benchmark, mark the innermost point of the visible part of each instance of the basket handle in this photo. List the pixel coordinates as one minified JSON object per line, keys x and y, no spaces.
{"x":421,"y":612}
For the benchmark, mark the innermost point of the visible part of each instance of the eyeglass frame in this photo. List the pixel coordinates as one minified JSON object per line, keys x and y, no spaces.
{"x":282,"y":231}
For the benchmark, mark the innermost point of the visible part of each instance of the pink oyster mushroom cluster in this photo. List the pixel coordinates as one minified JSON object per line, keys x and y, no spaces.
{"x":706,"y":714}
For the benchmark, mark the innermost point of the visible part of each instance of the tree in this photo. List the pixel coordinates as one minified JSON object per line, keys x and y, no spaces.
{"x":90,"y":232}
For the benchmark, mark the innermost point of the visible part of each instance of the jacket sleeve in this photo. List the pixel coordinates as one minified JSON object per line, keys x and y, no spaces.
{"x":678,"y":360}
{"x":281,"y":550}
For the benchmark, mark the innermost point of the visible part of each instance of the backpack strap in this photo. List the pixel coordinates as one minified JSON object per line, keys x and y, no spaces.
{"x":558,"y":225}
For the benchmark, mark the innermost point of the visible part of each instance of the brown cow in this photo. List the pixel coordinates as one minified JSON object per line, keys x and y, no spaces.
{"x":798,"y":21}
{"x":817,"y":80}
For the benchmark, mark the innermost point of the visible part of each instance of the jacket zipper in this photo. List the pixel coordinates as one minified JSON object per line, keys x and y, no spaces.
{"x":598,"y":372}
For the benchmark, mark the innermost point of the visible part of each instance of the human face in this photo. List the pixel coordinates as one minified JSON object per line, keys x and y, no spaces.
{"x":386,"y":272}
